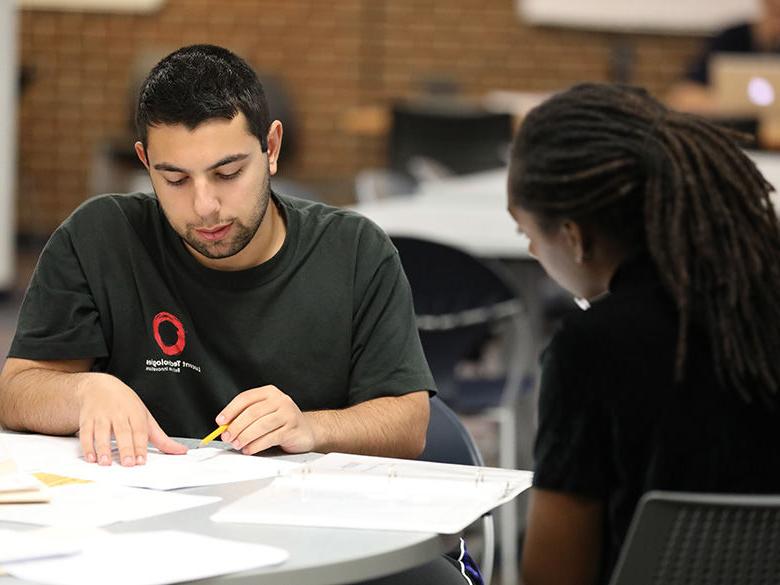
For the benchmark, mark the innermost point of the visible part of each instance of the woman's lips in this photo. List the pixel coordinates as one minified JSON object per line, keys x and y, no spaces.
{"x":214,"y":234}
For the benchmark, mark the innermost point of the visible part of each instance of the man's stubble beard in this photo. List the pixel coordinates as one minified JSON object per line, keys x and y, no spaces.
{"x":243,"y":233}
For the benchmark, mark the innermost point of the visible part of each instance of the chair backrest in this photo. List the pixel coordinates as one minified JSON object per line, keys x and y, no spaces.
{"x":462,"y":139}
{"x":457,"y":301}
{"x":681,"y":538}
{"x":449,"y":441}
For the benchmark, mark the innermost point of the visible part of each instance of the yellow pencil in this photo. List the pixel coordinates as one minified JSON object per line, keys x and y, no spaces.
{"x":211,"y":436}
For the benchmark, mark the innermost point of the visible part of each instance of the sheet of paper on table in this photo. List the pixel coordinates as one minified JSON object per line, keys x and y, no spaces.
{"x":35,"y":544}
{"x":99,"y":504}
{"x":148,"y":558}
{"x":199,"y":467}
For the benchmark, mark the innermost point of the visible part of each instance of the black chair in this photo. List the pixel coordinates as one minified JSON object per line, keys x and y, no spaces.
{"x":460,"y":138}
{"x":449,"y":441}
{"x":436,"y":138}
{"x":461,"y":303}
{"x":681,"y":538}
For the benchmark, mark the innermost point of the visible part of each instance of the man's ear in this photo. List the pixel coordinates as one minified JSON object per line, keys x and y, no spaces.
{"x":140,"y":151}
{"x":274,"y":145}
{"x":579,"y":241}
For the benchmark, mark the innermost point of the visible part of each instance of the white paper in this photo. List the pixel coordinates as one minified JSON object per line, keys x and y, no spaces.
{"x":93,"y":504}
{"x":377,"y":493}
{"x":33,"y":544}
{"x":149,"y":558}
{"x":198,"y":467}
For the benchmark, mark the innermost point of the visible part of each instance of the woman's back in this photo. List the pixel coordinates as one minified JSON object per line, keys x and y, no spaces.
{"x":614,"y":424}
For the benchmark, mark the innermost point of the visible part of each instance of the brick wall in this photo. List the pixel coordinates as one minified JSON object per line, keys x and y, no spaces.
{"x":330,"y":55}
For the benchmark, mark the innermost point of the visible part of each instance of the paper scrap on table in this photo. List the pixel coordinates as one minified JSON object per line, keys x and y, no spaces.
{"x":149,"y":558}
{"x":96,"y":504}
{"x":34,"y":544}
{"x":199,"y":467}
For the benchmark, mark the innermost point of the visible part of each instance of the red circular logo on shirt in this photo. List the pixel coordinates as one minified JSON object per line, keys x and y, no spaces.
{"x":163,"y":317}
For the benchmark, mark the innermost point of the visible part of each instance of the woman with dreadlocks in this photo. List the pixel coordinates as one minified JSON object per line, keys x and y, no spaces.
{"x":670,"y":380}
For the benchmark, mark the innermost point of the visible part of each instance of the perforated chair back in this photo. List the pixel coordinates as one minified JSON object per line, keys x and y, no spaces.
{"x":449,"y":441}
{"x":457,"y":300}
{"x":679,"y":538}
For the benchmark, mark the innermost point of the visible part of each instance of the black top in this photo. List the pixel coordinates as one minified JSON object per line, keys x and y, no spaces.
{"x":737,"y":39}
{"x":613,"y":424}
{"x":328,"y":319}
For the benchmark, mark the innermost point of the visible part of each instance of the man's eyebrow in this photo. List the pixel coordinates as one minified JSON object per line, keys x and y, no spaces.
{"x":163,"y":166}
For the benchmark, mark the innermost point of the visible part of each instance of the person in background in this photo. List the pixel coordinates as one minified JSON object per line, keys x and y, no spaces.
{"x":670,"y":379}
{"x":215,"y":301}
{"x":692,"y":93}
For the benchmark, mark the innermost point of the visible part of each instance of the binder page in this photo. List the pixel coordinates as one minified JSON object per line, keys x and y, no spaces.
{"x":351,"y":491}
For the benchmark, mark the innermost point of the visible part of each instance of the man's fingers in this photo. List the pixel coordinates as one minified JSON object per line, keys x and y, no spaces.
{"x":241,"y":402}
{"x":163,"y":442}
{"x":102,"y":440}
{"x":87,"y":438}
{"x":123,"y":434}
{"x":140,"y":432}
{"x":258,"y":428}
{"x":265,"y":442}
{"x":253,"y":413}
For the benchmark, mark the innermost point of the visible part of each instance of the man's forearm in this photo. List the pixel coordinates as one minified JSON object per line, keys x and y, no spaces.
{"x":392,"y":426}
{"x":41,"y":400}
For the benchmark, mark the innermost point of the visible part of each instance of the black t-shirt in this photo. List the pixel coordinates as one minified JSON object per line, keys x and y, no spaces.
{"x":736,"y":39}
{"x":329,"y":319}
{"x":613,"y":424}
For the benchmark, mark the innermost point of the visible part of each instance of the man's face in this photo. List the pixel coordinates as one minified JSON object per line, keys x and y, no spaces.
{"x":213,"y":184}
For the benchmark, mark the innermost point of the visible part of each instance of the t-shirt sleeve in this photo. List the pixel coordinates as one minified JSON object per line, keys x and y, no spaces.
{"x":571,"y":448}
{"x":387,"y":357}
{"x":58,"y":319}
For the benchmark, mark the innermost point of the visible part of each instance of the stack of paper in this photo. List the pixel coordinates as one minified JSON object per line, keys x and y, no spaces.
{"x":17,"y":487}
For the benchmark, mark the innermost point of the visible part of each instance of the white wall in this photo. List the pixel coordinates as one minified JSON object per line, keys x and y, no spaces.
{"x":9,"y":83}
{"x":664,"y":16}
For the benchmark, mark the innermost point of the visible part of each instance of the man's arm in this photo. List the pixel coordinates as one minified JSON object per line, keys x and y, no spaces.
{"x":40,"y":396}
{"x":390,"y":426}
{"x":63,"y":397}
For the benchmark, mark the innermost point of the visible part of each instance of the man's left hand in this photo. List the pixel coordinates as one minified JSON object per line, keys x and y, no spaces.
{"x":265,"y":417}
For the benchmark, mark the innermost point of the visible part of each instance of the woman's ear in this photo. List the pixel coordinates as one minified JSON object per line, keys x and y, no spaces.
{"x":578,"y":240}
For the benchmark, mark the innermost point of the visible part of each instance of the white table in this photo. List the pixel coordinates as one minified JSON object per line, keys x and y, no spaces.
{"x":318,"y":556}
{"x":470,"y":212}
{"x":467,"y":212}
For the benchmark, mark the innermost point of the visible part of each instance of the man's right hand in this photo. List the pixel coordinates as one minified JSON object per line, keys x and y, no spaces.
{"x":108,"y":407}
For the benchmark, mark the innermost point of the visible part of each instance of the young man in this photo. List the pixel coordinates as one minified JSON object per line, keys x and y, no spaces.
{"x":216,"y":301}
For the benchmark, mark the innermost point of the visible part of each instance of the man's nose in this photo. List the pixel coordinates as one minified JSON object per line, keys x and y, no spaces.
{"x":206,"y":201}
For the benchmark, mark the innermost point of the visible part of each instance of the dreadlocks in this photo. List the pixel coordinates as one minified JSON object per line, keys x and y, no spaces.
{"x":653,"y":179}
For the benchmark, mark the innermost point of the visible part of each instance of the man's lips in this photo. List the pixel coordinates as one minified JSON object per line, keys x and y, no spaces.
{"x":214,"y":234}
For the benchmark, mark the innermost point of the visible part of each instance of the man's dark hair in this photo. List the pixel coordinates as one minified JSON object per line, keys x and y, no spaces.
{"x":679,"y":187}
{"x":199,"y":83}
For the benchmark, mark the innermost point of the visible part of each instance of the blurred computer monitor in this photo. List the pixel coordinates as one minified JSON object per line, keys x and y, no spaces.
{"x":746,"y":84}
